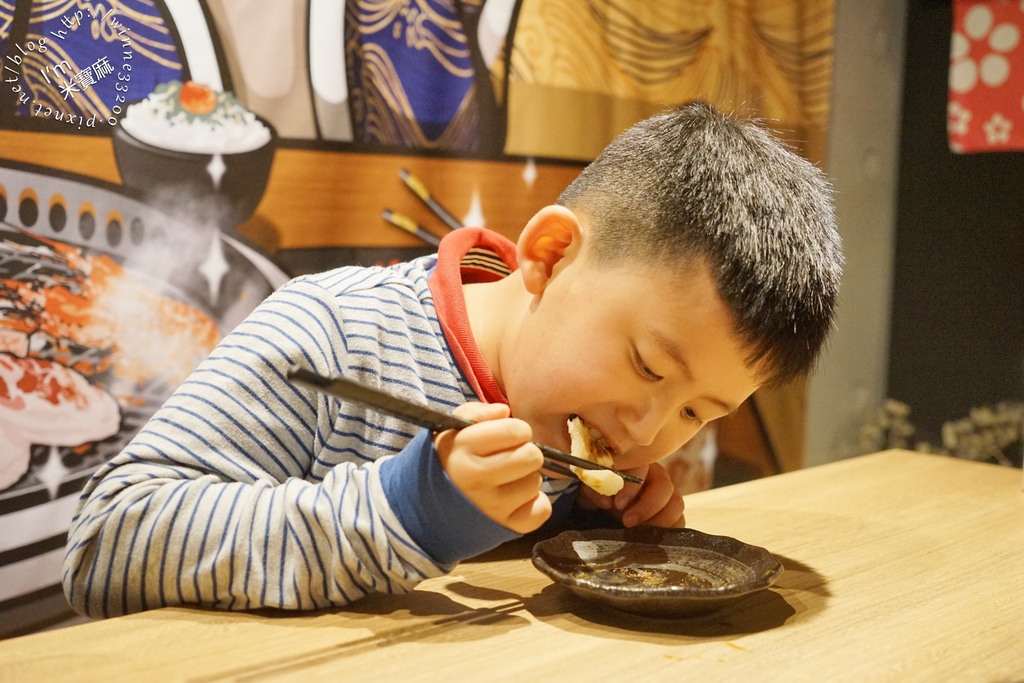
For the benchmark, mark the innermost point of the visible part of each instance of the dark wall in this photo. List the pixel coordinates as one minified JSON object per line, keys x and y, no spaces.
{"x":958,"y":302}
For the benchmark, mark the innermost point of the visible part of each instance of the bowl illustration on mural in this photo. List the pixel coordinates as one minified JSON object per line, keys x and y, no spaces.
{"x":196,"y":153}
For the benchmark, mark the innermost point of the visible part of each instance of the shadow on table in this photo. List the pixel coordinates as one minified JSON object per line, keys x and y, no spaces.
{"x":799,"y":593}
{"x":417,"y":617}
{"x":426,"y":616}
{"x":761,"y":612}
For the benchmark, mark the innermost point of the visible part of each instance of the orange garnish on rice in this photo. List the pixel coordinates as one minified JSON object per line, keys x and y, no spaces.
{"x":197,"y":98}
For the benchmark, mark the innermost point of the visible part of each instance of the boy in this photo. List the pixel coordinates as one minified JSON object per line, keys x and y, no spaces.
{"x":695,"y":260}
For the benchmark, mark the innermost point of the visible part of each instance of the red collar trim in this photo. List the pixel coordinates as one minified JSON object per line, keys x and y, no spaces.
{"x":469,"y":255}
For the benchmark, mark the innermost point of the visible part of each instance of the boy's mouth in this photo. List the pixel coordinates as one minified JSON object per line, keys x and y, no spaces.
{"x":599,"y":444}
{"x":589,"y":444}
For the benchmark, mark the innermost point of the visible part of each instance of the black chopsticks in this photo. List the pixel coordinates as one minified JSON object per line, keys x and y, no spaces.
{"x":435,"y":420}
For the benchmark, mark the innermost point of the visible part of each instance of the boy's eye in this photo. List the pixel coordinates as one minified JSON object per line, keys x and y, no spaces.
{"x":691,"y":414}
{"x":642,"y":368}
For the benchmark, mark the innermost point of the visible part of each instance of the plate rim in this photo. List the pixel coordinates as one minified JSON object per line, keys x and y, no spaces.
{"x":659,"y":593}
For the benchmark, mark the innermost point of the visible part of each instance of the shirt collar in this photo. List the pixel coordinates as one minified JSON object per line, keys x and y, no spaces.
{"x":469,"y":255}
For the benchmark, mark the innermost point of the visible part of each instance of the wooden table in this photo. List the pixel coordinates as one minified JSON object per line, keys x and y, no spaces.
{"x":899,"y":567}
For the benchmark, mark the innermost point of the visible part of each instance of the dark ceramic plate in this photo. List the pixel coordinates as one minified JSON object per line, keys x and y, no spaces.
{"x":656,"y":572}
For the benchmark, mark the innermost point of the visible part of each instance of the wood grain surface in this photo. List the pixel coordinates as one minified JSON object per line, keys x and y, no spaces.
{"x":900,"y":566}
{"x":320,"y":198}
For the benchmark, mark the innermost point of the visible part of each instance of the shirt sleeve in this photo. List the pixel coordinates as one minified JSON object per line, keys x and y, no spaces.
{"x":211,"y":503}
{"x":446,"y":524}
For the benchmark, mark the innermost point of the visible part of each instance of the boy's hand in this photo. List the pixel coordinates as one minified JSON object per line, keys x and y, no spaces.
{"x":495,"y":464}
{"x":656,"y":502}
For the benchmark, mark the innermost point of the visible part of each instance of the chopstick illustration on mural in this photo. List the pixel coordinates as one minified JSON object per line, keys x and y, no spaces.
{"x":420,"y":190}
{"x":403,"y":222}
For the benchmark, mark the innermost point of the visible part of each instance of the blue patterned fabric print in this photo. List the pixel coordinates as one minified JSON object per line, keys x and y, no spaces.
{"x":410,"y":75}
{"x":91,"y":59}
{"x":6,"y":19}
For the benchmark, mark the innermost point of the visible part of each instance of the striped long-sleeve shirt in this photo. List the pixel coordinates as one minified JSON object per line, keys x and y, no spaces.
{"x":245,"y":491}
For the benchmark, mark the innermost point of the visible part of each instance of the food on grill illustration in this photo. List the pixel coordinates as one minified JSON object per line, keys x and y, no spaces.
{"x":107,"y":302}
{"x":44,"y":402}
{"x":79,"y":335}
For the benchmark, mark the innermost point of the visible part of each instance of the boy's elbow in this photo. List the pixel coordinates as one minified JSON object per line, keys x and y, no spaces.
{"x":91,"y":584}
{"x":76,"y":598}
{"x":76,"y":579}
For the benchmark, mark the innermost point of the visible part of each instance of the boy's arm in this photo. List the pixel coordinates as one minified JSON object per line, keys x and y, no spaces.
{"x":210,"y":503}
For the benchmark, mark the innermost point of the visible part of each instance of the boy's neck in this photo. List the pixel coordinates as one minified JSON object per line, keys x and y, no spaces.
{"x":492,"y":309}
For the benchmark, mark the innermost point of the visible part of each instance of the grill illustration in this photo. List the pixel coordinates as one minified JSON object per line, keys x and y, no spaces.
{"x":104,"y":294}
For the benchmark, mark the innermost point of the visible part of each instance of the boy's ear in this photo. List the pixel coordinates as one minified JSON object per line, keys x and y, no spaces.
{"x":552,"y":235}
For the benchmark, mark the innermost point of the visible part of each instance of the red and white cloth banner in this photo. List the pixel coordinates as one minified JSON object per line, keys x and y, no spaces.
{"x":986,"y":77}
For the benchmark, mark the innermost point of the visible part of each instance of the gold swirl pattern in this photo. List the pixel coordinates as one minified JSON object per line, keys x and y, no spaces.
{"x":424,"y":29}
{"x":421,"y":34}
{"x":382,"y":108}
{"x":387,"y":115}
{"x":159,"y":49}
{"x":48,"y":92}
{"x":626,"y":49}
{"x":6,"y":19}
{"x":76,"y":32}
{"x":151,"y":38}
{"x":770,"y":58}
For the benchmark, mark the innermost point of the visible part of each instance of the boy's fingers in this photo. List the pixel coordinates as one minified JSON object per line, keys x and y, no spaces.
{"x":496,"y":465}
{"x":529,"y":516}
{"x":497,"y":469}
{"x":491,"y":433}
{"x":494,"y":436}
{"x":522,"y":488}
{"x":656,"y":493}
{"x":520,"y":462}
{"x":630,"y":490}
{"x":481,"y":412}
{"x":669,"y":517}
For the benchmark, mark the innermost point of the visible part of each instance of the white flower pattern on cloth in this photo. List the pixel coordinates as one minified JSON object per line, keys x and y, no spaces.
{"x":997,"y":129}
{"x":959,"y":118}
{"x":986,"y":74}
{"x":992,"y":68}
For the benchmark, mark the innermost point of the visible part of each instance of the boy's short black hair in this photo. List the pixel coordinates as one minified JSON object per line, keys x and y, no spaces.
{"x":693,"y":184}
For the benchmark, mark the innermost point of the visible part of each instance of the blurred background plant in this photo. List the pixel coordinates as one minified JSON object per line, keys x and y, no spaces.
{"x":993,"y":434}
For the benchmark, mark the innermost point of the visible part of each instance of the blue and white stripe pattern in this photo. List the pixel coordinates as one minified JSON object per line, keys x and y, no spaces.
{"x":244,"y":491}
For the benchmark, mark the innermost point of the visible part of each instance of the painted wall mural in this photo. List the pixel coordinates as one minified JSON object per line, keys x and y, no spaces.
{"x":165,"y":165}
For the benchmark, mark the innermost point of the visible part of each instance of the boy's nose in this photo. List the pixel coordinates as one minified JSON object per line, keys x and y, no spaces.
{"x":645,"y":419}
